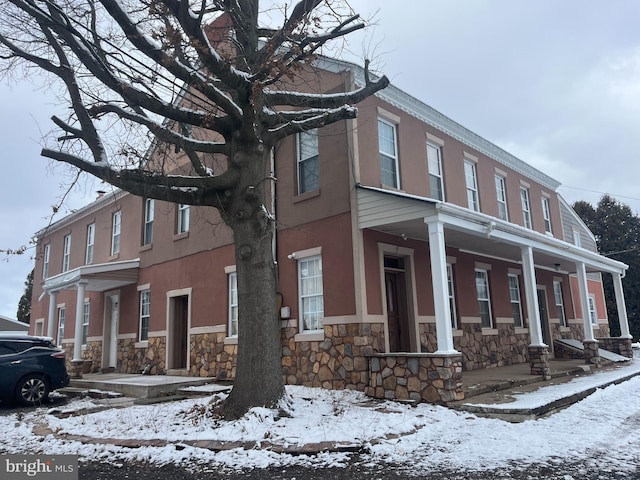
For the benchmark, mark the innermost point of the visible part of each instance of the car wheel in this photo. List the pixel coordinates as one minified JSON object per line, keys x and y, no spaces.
{"x":31,"y":389}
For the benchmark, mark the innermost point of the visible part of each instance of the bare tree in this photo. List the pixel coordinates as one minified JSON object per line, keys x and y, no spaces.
{"x":202,"y":79}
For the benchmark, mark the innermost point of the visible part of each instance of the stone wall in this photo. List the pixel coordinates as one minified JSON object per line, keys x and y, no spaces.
{"x":481,"y":351}
{"x":619,"y":345}
{"x":130,"y":358}
{"x":337,"y":362}
{"x":210,"y":357}
{"x":155,"y":357}
{"x":93,"y":354}
{"x":419,"y":377}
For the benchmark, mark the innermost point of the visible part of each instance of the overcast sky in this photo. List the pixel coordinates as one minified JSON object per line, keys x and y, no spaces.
{"x":556,"y":83}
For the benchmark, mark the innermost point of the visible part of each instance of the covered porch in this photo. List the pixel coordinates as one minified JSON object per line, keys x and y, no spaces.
{"x":442,"y":226}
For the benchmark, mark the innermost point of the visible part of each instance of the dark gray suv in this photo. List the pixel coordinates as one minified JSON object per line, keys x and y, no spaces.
{"x":30,"y":368}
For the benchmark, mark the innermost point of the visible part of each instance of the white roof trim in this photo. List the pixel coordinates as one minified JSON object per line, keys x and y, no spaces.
{"x":68,"y":279}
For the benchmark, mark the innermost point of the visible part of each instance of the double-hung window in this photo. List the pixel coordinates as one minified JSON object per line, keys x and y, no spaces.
{"x":311,"y":292}
{"x":183,"y":218}
{"x":434,"y":161}
{"x":116,"y":222}
{"x":45,"y":261}
{"x":61,"y":315}
{"x":557,"y":294}
{"x":546,"y":214}
{"x":514,"y":297}
{"x":471,"y":181}
{"x":308,"y":167}
{"x":233,"y":304}
{"x":452,"y":298}
{"x":576,"y":238}
{"x":484,"y":300}
{"x":388,"y":154}
{"x":91,"y":237}
{"x":85,"y":322}
{"x":593,"y":317}
{"x":147,"y":233}
{"x":526,"y":208}
{"x":66,"y":253}
{"x":501,"y":197}
{"x":145,"y":315}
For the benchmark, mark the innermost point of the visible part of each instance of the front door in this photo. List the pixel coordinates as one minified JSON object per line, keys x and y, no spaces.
{"x":110,"y":333}
{"x":544,"y":318}
{"x":178,"y":323}
{"x":397,"y":318}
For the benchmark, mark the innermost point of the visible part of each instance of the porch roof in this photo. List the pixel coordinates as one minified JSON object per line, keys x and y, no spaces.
{"x":406,"y":215}
{"x":98,"y":278}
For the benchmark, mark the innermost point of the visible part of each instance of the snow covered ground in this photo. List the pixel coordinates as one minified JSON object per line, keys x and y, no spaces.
{"x":603,"y":430}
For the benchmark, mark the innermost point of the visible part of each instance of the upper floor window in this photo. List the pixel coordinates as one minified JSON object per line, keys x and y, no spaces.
{"x":85,"y":322}
{"x":233,"y":304}
{"x":308,"y":167}
{"x":66,"y":253}
{"x":526,"y":208}
{"x":471,"y":181}
{"x":557,"y":294}
{"x":484,"y":300}
{"x":593,"y":316}
{"x":546,"y":214}
{"x":434,"y":161}
{"x":145,"y":315}
{"x":501,"y":197}
{"x":45,"y":261}
{"x":311,"y":292}
{"x":116,"y":222}
{"x":183,"y":218}
{"x":388,"y":154}
{"x":514,"y":297}
{"x":91,"y":236}
{"x":452,"y":298}
{"x":147,"y":233}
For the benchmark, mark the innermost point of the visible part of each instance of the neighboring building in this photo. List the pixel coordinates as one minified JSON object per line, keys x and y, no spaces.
{"x":409,"y":249}
{"x":10,"y":325}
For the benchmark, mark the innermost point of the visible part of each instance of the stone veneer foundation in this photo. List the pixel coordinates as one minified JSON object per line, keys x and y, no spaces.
{"x":539,"y":361}
{"x":591,"y":354}
{"x":210,"y":357}
{"x":619,"y":345}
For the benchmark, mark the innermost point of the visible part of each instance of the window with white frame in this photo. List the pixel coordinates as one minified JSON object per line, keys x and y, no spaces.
{"x":145,"y":315}
{"x":233,"y":304}
{"x":45,"y":261}
{"x":61,"y":315}
{"x":514,"y":297}
{"x":116,"y":222}
{"x":91,"y":237}
{"x":546,"y":214}
{"x":184,"y":212}
{"x":311,"y":292}
{"x":147,"y":233}
{"x":308,"y":166}
{"x":85,"y":322}
{"x":576,"y":238}
{"x":593,"y":316}
{"x":434,"y":162}
{"x":471,"y":181}
{"x":388,"y":154}
{"x":66,"y":253}
{"x":484,"y":301}
{"x":526,"y":207}
{"x":452,"y":298}
{"x":557,"y":293}
{"x":501,"y":197}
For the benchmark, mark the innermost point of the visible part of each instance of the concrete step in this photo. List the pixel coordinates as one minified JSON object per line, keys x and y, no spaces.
{"x":579,"y":346}
{"x":139,"y":386}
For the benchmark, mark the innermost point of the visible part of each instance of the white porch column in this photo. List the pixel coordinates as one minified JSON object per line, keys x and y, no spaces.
{"x":533,"y":311}
{"x":77,"y":340}
{"x":444,"y":332}
{"x":51,"y":320}
{"x":584,"y":301}
{"x":622,"y":307}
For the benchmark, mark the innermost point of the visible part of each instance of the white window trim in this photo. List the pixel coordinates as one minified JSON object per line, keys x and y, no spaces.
{"x":593,"y":311}
{"x":394,"y":126}
{"x":66,"y":253}
{"x":502,"y":201}
{"x":141,"y":317}
{"x":525,"y":203}
{"x":300,"y":160}
{"x":116,"y":225}
{"x":91,"y":238}
{"x":301,"y":297}
{"x":546,"y":214}
{"x":576,"y":237}
{"x":563,"y":319}
{"x":452,"y":296}
{"x":232,"y":305}
{"x":184,"y":218}
{"x":149,"y":216}
{"x":519,"y":301}
{"x":86,"y":318}
{"x":60,"y":331}
{"x":439,"y":175}
{"x":473,"y":188}
{"x":45,"y":261}
{"x":488,"y":299}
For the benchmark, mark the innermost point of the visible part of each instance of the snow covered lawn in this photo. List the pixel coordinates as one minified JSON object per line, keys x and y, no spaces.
{"x":602,"y":430}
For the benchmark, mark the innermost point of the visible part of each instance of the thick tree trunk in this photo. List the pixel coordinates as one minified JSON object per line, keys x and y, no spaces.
{"x":258,"y":379}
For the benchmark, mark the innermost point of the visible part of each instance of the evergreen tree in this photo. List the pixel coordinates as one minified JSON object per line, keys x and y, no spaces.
{"x":617,"y":232}
{"x":24,"y":305}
